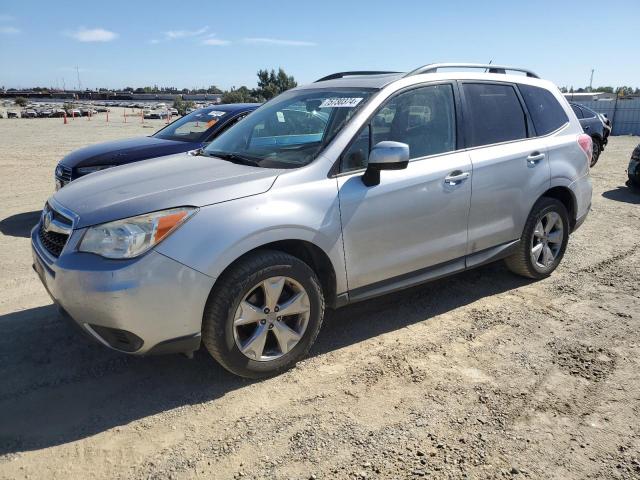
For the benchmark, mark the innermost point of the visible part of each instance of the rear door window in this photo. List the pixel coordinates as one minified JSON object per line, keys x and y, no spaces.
{"x":577,"y":110}
{"x":494,"y":114}
{"x":546,"y":113}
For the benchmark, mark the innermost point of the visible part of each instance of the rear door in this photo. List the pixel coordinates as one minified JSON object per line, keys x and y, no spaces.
{"x":510,"y":164}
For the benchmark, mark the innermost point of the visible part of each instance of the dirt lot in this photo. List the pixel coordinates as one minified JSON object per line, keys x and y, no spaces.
{"x":483,"y":375}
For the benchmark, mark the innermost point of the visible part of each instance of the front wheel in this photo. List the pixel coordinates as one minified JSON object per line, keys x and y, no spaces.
{"x":263,"y":314}
{"x":543,"y":242}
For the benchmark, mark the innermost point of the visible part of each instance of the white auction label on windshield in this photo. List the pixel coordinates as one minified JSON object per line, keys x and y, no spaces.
{"x":340,"y":102}
{"x":216,"y":113}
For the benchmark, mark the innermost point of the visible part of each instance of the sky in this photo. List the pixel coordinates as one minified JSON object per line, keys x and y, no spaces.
{"x":189,"y":43}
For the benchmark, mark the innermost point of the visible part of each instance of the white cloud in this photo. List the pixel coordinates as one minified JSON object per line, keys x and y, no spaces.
{"x":213,"y":40}
{"x":9,"y":30}
{"x":277,"y":41}
{"x":7,"y":18}
{"x":173,"y":34}
{"x":93,"y":35}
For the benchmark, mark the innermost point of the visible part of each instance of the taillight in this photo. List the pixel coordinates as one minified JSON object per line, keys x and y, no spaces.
{"x":586,"y":144}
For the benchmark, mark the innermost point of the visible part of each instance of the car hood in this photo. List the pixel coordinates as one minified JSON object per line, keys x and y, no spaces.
{"x":125,"y":151}
{"x":158,"y":184}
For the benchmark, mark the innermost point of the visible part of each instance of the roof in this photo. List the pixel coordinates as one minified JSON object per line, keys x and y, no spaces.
{"x":378,"y":79}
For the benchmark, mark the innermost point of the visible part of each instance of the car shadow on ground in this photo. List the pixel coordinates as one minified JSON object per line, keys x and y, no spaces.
{"x":628,"y":194}
{"x":19,"y":225}
{"x":56,"y":387}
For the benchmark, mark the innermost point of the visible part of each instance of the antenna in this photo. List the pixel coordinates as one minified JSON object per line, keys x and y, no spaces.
{"x":591,"y":80}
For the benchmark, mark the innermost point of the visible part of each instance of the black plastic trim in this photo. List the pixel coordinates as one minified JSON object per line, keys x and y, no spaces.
{"x":428,"y":274}
{"x":186,"y":345}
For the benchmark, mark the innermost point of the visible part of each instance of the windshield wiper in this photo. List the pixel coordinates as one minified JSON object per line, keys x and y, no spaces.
{"x":235,"y":158}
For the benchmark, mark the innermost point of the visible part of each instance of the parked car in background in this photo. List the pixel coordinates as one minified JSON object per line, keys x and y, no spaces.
{"x":633,"y":170}
{"x":187,"y":133}
{"x":596,"y":125}
{"x":360,"y":184}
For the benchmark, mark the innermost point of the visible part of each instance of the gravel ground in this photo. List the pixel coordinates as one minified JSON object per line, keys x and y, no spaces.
{"x":482,"y":375}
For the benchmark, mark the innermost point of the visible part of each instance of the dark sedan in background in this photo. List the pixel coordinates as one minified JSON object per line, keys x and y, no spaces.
{"x":596,"y":125}
{"x":188,"y":133}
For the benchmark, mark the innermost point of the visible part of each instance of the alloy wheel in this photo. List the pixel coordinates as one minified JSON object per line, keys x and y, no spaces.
{"x":271,"y":318}
{"x":546,"y":241}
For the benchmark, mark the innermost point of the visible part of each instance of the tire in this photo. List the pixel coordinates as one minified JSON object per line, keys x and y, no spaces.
{"x":597,"y":150}
{"x":522,"y":262}
{"x":634,"y":178}
{"x":224,"y":330}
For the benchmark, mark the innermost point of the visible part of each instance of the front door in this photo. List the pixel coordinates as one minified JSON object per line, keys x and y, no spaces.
{"x":416,"y":218}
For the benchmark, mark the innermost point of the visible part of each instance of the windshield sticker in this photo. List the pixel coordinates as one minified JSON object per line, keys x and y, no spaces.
{"x":340,"y":102}
{"x":216,"y":113}
{"x":280,"y":116}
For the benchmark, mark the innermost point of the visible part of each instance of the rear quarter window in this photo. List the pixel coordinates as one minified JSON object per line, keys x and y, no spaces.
{"x":546,"y":112}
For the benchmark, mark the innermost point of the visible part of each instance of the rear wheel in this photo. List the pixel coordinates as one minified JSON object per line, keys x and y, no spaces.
{"x":263,"y":314}
{"x":543,"y":242}
{"x":597,"y":150}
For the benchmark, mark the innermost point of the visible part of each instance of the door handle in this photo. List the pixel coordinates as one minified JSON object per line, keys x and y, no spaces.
{"x":535,"y":158}
{"x":456,"y":177}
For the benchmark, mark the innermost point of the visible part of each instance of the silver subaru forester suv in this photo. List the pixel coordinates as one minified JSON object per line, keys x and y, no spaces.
{"x":357,"y":185}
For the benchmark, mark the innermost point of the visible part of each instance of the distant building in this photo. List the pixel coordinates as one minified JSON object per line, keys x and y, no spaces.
{"x":589,"y":96}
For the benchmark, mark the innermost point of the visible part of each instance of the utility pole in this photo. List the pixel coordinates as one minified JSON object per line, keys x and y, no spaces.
{"x":591,"y":80}
{"x":78,"y":74}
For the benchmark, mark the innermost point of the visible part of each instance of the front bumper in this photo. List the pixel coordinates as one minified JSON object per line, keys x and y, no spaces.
{"x":150,"y":304}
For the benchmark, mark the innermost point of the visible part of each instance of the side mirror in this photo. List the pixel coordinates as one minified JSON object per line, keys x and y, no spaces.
{"x":385,"y":156}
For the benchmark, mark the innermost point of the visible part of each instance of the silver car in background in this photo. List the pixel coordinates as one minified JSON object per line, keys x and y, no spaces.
{"x":357,"y":185}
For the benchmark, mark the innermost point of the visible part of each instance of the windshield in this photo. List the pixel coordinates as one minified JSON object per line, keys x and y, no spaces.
{"x":292,"y":129}
{"x":194,"y":127}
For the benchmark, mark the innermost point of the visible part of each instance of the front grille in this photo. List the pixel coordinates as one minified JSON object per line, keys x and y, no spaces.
{"x":54,"y":237}
{"x":53,"y":242}
{"x":65,"y":174}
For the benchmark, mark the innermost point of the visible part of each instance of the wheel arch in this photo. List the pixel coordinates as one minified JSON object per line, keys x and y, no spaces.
{"x":309,"y":253}
{"x":568,"y":199}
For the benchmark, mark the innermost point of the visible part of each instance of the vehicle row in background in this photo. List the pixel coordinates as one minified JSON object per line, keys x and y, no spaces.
{"x":596,"y":125}
{"x":190,"y":132}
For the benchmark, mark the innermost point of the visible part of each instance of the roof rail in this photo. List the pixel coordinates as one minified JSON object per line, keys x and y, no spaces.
{"x":434,"y":67}
{"x":333,"y":76}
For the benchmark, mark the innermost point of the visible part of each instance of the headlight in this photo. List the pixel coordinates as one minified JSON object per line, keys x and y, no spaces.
{"x":133,"y":236}
{"x":96,"y":168}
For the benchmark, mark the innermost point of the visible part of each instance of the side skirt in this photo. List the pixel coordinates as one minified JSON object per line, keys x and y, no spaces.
{"x":428,"y":274}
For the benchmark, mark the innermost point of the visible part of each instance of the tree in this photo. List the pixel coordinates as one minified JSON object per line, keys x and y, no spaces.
{"x":21,"y":101}
{"x":271,"y":83}
{"x":214,"y":89}
{"x":182,"y":106}
{"x":240,"y":95}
